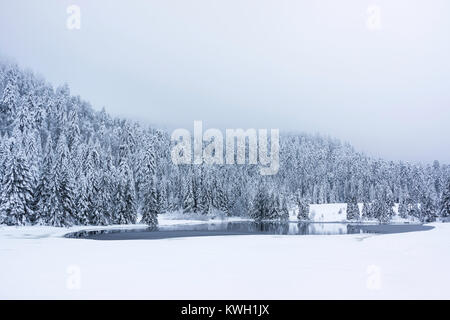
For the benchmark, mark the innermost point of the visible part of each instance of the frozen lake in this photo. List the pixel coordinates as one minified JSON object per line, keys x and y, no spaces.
{"x":244,"y":228}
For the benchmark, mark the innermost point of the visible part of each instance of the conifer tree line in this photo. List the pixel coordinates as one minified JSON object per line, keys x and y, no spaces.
{"x":62,"y":163}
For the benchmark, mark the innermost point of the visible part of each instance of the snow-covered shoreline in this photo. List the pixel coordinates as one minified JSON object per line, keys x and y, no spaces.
{"x":39,"y":263}
{"x":37,"y":231}
{"x":329,"y":213}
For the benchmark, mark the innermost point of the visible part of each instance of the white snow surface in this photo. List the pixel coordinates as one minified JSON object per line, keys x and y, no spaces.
{"x":337,"y":212}
{"x":332,"y":212}
{"x":38,"y":263}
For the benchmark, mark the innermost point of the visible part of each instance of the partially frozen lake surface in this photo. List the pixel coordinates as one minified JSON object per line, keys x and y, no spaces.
{"x":244,"y":228}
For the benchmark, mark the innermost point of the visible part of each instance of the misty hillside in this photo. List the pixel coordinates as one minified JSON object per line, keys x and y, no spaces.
{"x":63,"y":163}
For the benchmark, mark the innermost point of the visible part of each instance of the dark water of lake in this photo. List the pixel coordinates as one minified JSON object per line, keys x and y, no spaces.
{"x":244,"y":228}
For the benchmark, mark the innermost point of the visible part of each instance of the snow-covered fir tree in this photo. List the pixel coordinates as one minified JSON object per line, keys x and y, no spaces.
{"x":366,"y":212}
{"x":403,"y":209}
{"x":45,"y":202}
{"x":275,"y":208}
{"x":353,"y":210}
{"x":302,"y":206}
{"x":427,"y":209}
{"x":261,"y":209}
{"x":125,"y":196}
{"x":382,"y":207}
{"x":150,"y":205}
{"x":284,"y":213}
{"x":445,"y":202}
{"x":16,"y":200}
{"x":10,"y":99}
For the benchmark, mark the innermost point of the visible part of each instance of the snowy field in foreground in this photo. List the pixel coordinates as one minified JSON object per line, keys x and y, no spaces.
{"x":36,"y":262}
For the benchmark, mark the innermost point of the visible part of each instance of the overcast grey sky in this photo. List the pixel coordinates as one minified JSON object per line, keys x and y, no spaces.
{"x":314,"y":66}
